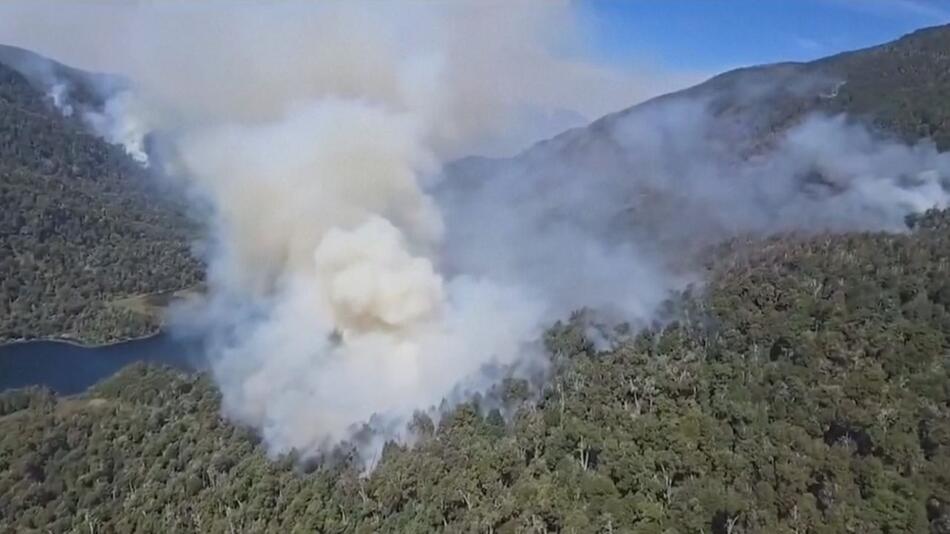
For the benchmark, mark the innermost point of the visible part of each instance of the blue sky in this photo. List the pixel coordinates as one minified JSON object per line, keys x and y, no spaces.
{"x":713,"y":35}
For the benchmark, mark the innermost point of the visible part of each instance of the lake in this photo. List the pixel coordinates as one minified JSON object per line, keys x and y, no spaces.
{"x":68,"y":368}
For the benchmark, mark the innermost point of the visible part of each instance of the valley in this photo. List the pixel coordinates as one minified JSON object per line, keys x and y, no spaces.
{"x":749,"y":278}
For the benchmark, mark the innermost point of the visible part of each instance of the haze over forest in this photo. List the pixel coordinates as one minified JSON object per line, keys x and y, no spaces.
{"x":722,"y":309}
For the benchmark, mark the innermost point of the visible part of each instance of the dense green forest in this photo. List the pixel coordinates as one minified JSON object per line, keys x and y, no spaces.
{"x":806,"y":390}
{"x":80,"y":227}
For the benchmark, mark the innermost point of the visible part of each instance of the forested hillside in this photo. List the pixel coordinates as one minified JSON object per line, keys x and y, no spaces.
{"x":80,"y":227}
{"x":804,"y":388}
{"x":808,"y":392}
{"x":900,"y":89}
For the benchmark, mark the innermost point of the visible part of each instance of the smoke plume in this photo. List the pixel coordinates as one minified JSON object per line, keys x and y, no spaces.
{"x":352,"y":278}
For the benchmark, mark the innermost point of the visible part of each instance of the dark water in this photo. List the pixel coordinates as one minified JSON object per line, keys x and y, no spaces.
{"x":69,"y":369}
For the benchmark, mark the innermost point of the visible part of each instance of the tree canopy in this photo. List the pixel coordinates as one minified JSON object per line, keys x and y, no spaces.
{"x":806,"y":389}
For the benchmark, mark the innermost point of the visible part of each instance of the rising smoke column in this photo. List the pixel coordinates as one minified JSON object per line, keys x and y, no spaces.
{"x":313,"y":135}
{"x":335,"y":248}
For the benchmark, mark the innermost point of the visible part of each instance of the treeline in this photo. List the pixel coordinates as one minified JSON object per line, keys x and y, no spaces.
{"x":806,"y":390}
{"x":80,"y":227}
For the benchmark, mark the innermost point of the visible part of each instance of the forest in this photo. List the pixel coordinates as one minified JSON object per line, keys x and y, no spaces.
{"x":82,"y":226}
{"x":806,"y":389}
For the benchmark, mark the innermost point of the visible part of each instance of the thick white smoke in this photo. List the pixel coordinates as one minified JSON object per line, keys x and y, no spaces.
{"x":58,"y":94}
{"x":352,"y":281}
{"x":313,"y":134}
{"x":324,"y":224}
{"x":121,"y":122}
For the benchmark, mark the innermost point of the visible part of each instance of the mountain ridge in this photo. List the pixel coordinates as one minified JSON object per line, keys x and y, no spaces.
{"x":805,"y":390}
{"x":832,"y":68}
{"x":84,"y":226}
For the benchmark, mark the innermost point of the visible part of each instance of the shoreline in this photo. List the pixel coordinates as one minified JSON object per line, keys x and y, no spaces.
{"x":79,"y":343}
{"x":69,"y":368}
{"x":170,"y":294}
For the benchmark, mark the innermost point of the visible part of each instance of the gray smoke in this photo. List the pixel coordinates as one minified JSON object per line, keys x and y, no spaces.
{"x":609,"y":216}
{"x":119,"y":123}
{"x":353,"y":279}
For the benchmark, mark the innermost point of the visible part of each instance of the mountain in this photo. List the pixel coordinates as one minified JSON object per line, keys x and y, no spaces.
{"x":807,"y":389}
{"x":84,"y":89}
{"x":901,"y":88}
{"x":775,"y":148}
{"x":59,"y":174}
{"x":82,"y":229}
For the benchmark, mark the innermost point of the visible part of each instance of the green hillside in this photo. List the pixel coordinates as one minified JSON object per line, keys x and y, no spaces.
{"x":810,"y":392}
{"x":81,"y":226}
{"x":805,"y":390}
{"x":901,"y":89}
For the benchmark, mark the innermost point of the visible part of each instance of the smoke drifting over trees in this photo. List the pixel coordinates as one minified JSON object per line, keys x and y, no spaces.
{"x":353,"y":281}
